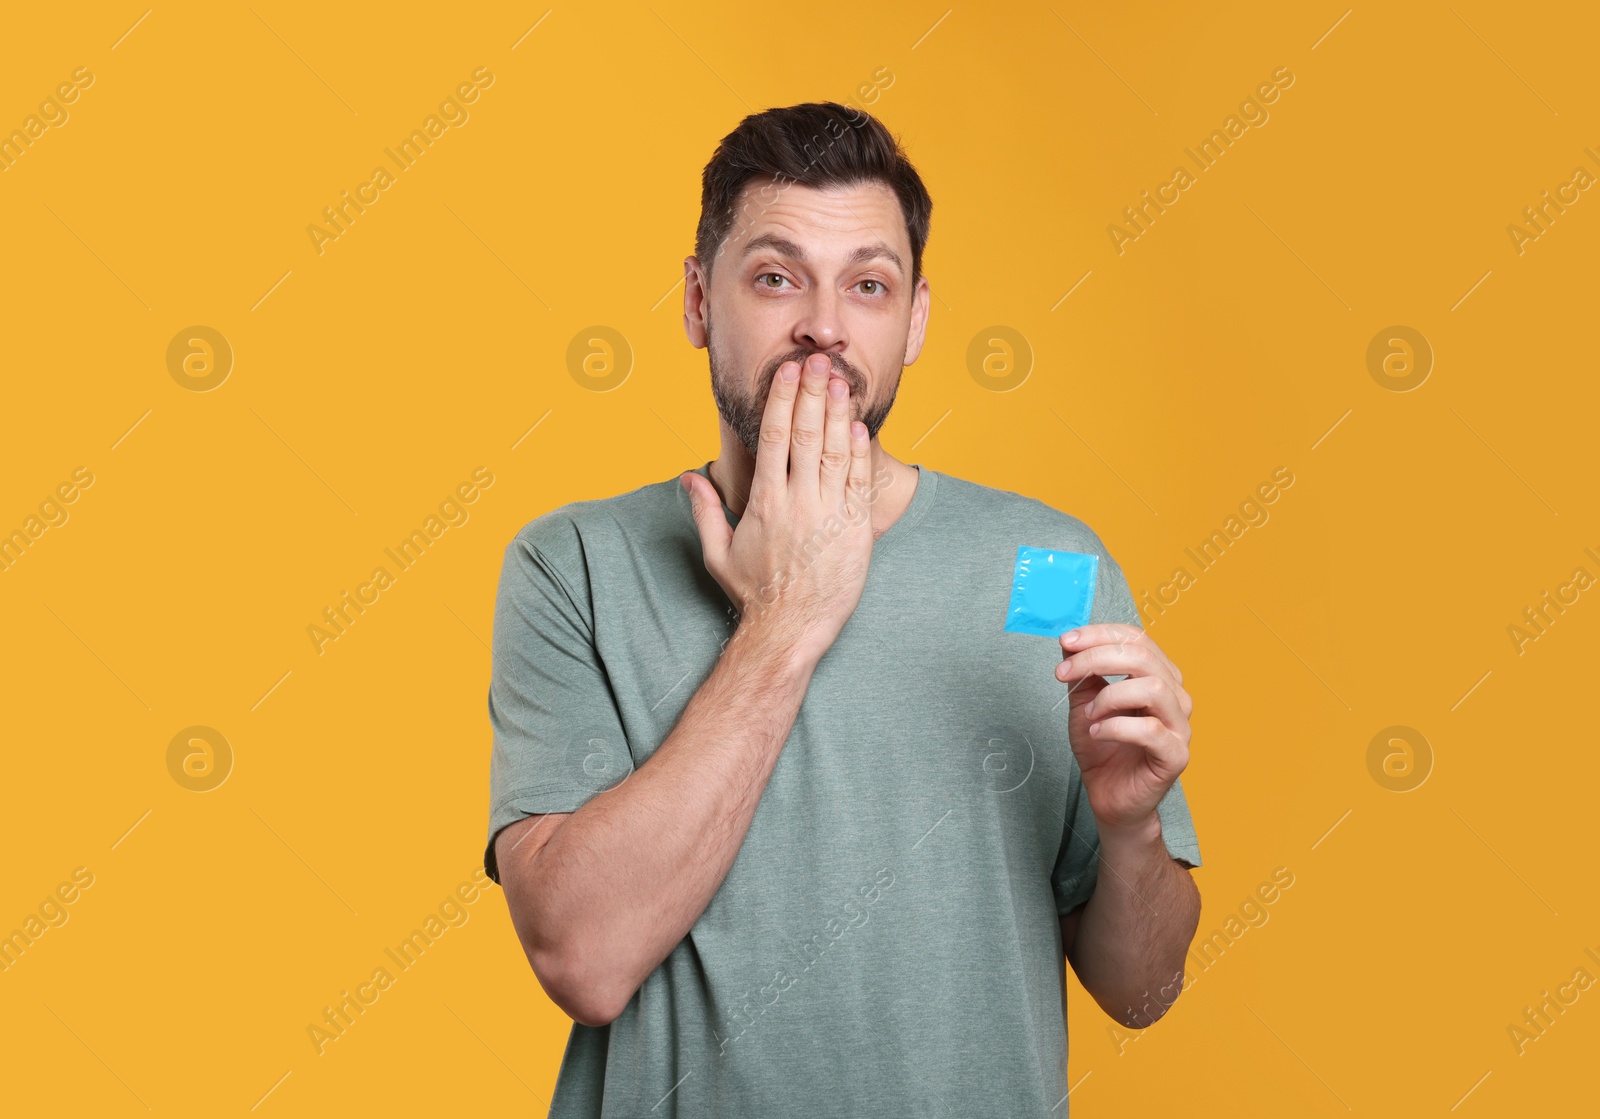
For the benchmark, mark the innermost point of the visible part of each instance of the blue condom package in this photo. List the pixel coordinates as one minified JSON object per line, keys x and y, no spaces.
{"x":1051,"y":592}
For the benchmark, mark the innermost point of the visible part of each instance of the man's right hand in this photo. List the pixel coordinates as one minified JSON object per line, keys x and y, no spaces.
{"x":796,"y":564}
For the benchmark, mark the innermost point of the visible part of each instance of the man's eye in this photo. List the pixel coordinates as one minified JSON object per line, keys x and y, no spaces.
{"x":771,"y":276}
{"x":877,"y":287}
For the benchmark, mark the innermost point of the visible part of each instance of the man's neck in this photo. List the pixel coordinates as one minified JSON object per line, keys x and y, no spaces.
{"x":891,"y":484}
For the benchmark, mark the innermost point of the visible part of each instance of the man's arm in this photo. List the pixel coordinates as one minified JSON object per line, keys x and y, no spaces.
{"x":1128,"y":942}
{"x":602,"y":895}
{"x":599,"y":897}
{"x":1131,"y":740}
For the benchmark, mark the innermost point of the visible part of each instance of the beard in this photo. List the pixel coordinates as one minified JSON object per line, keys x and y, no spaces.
{"x":742,"y":405}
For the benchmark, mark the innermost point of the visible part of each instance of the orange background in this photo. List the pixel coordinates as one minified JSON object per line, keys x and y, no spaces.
{"x":1165,"y":383}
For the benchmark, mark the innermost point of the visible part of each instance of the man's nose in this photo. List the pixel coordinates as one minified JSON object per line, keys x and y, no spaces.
{"x":820,"y":325}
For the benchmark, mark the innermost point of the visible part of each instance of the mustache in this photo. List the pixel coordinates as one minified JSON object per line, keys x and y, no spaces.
{"x":849,"y":373}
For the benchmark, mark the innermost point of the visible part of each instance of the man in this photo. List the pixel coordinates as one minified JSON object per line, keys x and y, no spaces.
{"x":785,"y":821}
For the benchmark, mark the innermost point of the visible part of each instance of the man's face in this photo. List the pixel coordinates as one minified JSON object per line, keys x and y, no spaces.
{"x":806,"y":271}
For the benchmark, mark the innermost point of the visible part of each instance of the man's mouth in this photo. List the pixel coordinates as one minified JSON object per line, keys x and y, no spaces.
{"x":848,"y":375}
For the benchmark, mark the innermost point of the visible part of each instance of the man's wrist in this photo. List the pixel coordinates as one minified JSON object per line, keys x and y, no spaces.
{"x":766,"y":643}
{"x":1134,"y":838}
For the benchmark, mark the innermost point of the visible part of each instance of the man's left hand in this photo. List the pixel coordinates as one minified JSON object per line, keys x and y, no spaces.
{"x":1131,"y":738}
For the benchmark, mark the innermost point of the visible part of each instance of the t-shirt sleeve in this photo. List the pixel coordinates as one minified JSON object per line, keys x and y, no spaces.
{"x":558,"y":737}
{"x":1077,"y":866}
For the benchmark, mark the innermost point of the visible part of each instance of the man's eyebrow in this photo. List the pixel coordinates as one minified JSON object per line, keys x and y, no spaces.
{"x":789,"y":249}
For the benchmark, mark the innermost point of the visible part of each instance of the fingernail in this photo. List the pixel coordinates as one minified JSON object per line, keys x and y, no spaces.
{"x":1070,"y":636}
{"x":789,"y":371}
{"x":1094,"y":729}
{"x":836,"y":389}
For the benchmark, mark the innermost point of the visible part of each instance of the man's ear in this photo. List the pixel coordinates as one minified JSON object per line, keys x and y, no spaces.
{"x":918,"y":329}
{"x":696,"y":296}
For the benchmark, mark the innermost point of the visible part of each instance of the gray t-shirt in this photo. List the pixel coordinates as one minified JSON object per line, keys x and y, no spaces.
{"x":886,"y":942}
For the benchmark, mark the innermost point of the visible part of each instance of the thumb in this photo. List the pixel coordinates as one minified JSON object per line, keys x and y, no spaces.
{"x":706,"y":506}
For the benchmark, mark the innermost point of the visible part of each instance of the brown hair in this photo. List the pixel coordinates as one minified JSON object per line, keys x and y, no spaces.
{"x":818,"y":144}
